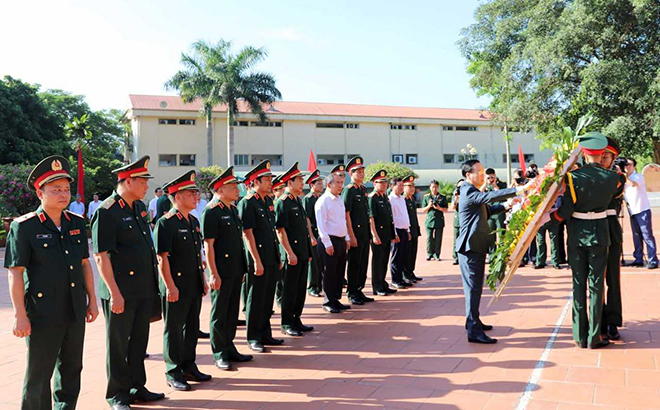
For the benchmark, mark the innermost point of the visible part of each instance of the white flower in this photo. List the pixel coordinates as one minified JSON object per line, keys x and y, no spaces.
{"x":463,"y":151}
{"x":473,"y":151}
{"x":469,"y":145}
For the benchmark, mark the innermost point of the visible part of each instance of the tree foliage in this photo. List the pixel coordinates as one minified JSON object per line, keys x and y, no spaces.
{"x":549,"y":62}
{"x":394,"y":170}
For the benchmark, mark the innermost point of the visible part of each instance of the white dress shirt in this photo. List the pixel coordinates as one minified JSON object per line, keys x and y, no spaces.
{"x":152,"y":207}
{"x":77,"y":208}
{"x":330,"y":218}
{"x":636,"y":197}
{"x":93,"y":206}
{"x":399,"y":212}
{"x":200,"y":206}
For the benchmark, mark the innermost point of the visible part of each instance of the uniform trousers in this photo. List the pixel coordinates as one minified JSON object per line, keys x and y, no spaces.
{"x":333,"y":269}
{"x":180,"y":332}
{"x":293,"y":292}
{"x":225,"y":304}
{"x":588,"y":264}
{"x":358,"y":262}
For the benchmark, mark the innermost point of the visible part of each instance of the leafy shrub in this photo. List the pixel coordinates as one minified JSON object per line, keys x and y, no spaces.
{"x":15,"y":197}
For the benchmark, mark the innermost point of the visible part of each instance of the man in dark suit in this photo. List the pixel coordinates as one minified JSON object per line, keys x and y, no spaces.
{"x":474,"y":239}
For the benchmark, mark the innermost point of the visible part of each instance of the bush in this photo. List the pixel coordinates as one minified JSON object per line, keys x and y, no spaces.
{"x":446,"y":188}
{"x":207,"y":174}
{"x":394,"y":170}
{"x":15,"y":197}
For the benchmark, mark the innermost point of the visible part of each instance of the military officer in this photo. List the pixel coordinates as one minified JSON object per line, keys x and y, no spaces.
{"x":258,"y":216}
{"x":434,"y":204}
{"x":278,"y":186}
{"x":126,"y":259}
{"x":48,"y":248}
{"x":178,"y":243}
{"x":590,"y":190}
{"x":382,"y":233}
{"x":315,"y":183}
{"x":276,"y":192}
{"x":415,"y":231}
{"x":163,"y":205}
{"x":227,"y":262}
{"x":612,"y":309}
{"x":294,"y":232}
{"x":357,"y":220}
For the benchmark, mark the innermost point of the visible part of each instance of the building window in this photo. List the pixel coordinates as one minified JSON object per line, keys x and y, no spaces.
{"x":462,"y":158}
{"x":187,"y":160}
{"x":353,"y":126}
{"x":448,"y":128}
{"x":450,"y":158}
{"x":166,"y":121}
{"x":515,"y":160}
{"x":403,"y":127}
{"x":398,"y":158}
{"x":186,"y":122}
{"x":241,"y":159}
{"x":462,"y":128}
{"x":266,"y":124}
{"x":167,"y":160}
{"x":330,"y":159}
{"x":275,"y":160}
{"x":329,"y":125}
{"x":240,"y":123}
{"x":411,"y":159}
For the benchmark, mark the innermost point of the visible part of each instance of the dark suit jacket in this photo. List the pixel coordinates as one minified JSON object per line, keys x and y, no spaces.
{"x":473,"y":212}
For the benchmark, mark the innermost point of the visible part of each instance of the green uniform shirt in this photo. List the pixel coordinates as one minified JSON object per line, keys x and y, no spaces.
{"x":588,"y":189}
{"x":308,"y":203}
{"x":163,"y":205}
{"x":290,"y":215}
{"x":500,"y":216}
{"x":356,"y":202}
{"x":54,"y":281}
{"x":223,"y":224}
{"x":125,"y":234}
{"x":381,"y":210}
{"x":257,"y":213}
{"x":434,"y":218}
{"x":616,"y":232}
{"x":182,"y":240}
{"x":411,"y":205}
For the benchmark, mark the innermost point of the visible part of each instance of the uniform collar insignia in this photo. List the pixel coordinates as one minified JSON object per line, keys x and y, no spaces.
{"x":42,"y":216}
{"x":122,"y":204}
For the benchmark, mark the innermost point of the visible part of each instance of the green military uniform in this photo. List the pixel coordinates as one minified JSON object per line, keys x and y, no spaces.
{"x":124,"y":233}
{"x":163,"y":205}
{"x":180,"y":237}
{"x":55,"y":295}
{"x":222,"y":223}
{"x":257,"y":214}
{"x":589,"y":191}
{"x":279,"y":282}
{"x":381,"y":212}
{"x":314,"y":277}
{"x":356,"y":202}
{"x":555,"y":245}
{"x":457,"y":231}
{"x":415,"y":233}
{"x":435,"y":224}
{"x":290,"y":215}
{"x":496,"y":222}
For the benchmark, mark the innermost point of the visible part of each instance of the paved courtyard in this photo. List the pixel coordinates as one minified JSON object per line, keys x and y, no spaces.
{"x":409,"y":351}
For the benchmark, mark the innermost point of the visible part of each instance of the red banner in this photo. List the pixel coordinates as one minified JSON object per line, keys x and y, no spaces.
{"x":81,"y":176}
{"x":311,"y":165}
{"x":521,"y":160}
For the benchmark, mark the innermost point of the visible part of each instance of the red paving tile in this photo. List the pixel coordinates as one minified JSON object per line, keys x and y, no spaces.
{"x":408,"y":351}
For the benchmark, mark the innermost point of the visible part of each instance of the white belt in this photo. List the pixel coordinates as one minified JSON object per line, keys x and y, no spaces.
{"x":589,"y":215}
{"x":611,"y":212}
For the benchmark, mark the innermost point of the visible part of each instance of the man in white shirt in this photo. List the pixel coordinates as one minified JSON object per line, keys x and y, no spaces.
{"x":93,"y":206}
{"x":152,"y":204}
{"x":333,"y":242}
{"x":77,"y":207}
{"x":402,"y":226}
{"x":640,"y":217}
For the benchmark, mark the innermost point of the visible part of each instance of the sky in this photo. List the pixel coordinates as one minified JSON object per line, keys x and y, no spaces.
{"x":361,"y":51}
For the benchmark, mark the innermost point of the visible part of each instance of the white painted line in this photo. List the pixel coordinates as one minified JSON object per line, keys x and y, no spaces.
{"x":532,"y":383}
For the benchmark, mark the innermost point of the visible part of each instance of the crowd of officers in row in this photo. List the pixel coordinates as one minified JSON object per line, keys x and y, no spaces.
{"x":272,"y":244}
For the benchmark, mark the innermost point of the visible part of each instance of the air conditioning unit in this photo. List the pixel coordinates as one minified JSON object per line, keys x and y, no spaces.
{"x":412,"y":159}
{"x":397,"y":158}
{"x":321,"y":161}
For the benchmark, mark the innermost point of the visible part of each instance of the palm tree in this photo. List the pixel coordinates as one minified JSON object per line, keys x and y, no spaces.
{"x":212,"y":74}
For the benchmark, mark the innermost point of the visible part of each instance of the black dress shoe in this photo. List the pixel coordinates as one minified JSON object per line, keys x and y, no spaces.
{"x":146,"y":355}
{"x":613,"y":332}
{"x":600,"y":344}
{"x":178,"y":385}
{"x":202,"y":335}
{"x":331,"y":309}
{"x":389,"y":290}
{"x":341,"y":306}
{"x":241,"y":322}
{"x":408,"y":282}
{"x":582,"y":345}
{"x":483,"y":326}
{"x":291,"y":332}
{"x":417,"y":278}
{"x":454,"y":263}
{"x":223,"y":364}
{"x":257,"y":347}
{"x":539,"y":266}
{"x":365,"y":298}
{"x":356,"y":301}
{"x":146,"y":396}
{"x":483,"y":339}
{"x":399,"y":285}
{"x":241,"y":358}
{"x":381,"y":293}
{"x":635,"y":264}
{"x":196,"y":376}
{"x":556,"y":266}
{"x":652,"y":266}
{"x":303,"y":328}
{"x":271,"y":341}
{"x":121,"y":407}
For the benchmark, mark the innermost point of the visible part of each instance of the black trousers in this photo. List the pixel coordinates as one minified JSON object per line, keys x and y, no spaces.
{"x":358,"y":262}
{"x":224,"y":316}
{"x":399,"y":256}
{"x":333,"y":269}
{"x":179,"y":336}
{"x":293,"y":292}
{"x":380,"y":254}
{"x":314,"y":281}
{"x":411,"y":261}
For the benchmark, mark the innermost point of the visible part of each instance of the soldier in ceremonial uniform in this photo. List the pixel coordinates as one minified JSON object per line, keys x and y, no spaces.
{"x":276,"y":192}
{"x":590,"y":190}
{"x":163,"y":205}
{"x":357,"y":219}
{"x":315,"y":182}
{"x":227,"y":261}
{"x":126,"y":259}
{"x":434,"y":204}
{"x":278,"y":186}
{"x":51,"y":286}
{"x":382,"y":233}
{"x":415,"y":232}
{"x":612,"y":309}
{"x":258,"y":216}
{"x":178,"y":241}
{"x":294,"y":232}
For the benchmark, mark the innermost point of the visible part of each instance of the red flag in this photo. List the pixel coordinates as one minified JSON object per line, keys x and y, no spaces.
{"x":311,"y":165}
{"x":81,"y":176}
{"x":521,"y":159}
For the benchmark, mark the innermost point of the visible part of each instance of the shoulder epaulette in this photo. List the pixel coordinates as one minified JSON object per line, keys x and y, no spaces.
{"x":373,"y":193}
{"x":249,"y":196}
{"x":427,"y":194}
{"x":170,"y":214}
{"x":25,"y":217}
{"x":107,"y":203}
{"x":212,"y":204}
{"x":349,"y":186}
{"x":74,"y":214}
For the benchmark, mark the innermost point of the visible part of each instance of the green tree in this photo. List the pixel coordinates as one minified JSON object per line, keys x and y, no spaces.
{"x":215,"y":75}
{"x":394,"y":170}
{"x":549,"y":62}
{"x":205,"y":175}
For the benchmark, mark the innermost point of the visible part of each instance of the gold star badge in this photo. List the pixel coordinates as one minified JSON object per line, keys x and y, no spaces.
{"x":358,"y":161}
{"x":267,"y":165}
{"x":192,"y":177}
{"x":56,"y":165}
{"x":382,"y":173}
